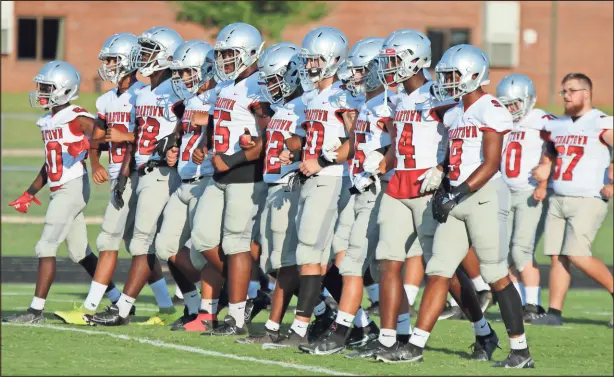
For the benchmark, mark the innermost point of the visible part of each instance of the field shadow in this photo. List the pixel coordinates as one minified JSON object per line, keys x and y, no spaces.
{"x":447,"y":351}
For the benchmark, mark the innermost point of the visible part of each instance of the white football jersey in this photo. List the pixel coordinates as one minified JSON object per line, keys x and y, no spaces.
{"x":522,"y":150}
{"x":323,"y":123}
{"x":58,"y":132}
{"x":466,"y":127}
{"x":283,"y":125}
{"x":420,"y":141}
{"x":192,"y":136}
{"x":583,"y":158}
{"x":118,"y":112}
{"x":232,"y":114}
{"x":155,"y":119}
{"x":368,"y":132}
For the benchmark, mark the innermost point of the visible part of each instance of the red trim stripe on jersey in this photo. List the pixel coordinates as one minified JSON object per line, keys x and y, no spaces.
{"x":601,"y":139}
{"x":488,"y":129}
{"x":101,"y":116}
{"x":338,"y":113}
{"x":381,"y":123}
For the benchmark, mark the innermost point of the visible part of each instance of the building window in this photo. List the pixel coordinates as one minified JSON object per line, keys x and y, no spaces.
{"x":443,"y":39}
{"x":40,"y":38}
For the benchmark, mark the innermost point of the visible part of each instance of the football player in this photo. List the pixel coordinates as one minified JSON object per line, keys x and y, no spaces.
{"x":155,"y":120}
{"x":65,"y":129}
{"x":231,"y":203}
{"x":466,"y":204}
{"x":579,"y":145}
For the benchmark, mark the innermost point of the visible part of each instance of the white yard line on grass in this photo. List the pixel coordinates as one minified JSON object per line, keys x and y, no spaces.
{"x":22,"y":152}
{"x":17,"y":219}
{"x":157,"y":343}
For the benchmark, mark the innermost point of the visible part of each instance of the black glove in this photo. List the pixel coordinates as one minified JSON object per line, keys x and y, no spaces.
{"x":118,"y":190}
{"x":446,"y":198}
{"x":166,"y":143}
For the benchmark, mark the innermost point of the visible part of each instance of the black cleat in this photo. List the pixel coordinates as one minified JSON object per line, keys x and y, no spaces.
{"x":405,"y":354}
{"x":255,"y":305}
{"x":360,"y":336}
{"x":287,"y":340}
{"x":451,"y":312}
{"x":109,"y":317}
{"x":186,"y":318}
{"x":329,"y":343}
{"x":268,"y":337}
{"x":373,"y":309}
{"x":371,"y":349}
{"x":485,"y":299}
{"x":532,"y":312}
{"x":228,"y":328}
{"x":485,"y":346}
{"x":517,"y":359}
{"x":321,"y":324}
{"x":29,"y":316}
{"x":548,"y":319}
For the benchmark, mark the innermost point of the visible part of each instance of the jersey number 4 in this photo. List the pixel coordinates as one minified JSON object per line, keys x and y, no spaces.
{"x":405,"y":147}
{"x":148,"y":130}
{"x":572,"y":150}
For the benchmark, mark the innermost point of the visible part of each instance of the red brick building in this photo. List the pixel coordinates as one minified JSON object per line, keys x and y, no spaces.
{"x":542,"y":39}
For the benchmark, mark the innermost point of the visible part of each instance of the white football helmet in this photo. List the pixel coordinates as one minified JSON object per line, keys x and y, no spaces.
{"x":57,"y":83}
{"x":191,"y":56}
{"x":461,"y":70}
{"x":324,"y":49}
{"x":237,"y":47}
{"x":344,"y":74}
{"x":117,"y":47}
{"x":278,"y":68}
{"x":155,"y":49}
{"x":517,"y":93}
{"x":362,"y":60}
{"x":404,"y":53}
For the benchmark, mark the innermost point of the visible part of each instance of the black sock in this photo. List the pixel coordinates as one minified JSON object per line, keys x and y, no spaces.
{"x":510,"y":306}
{"x":333,"y":281}
{"x":184,"y":284}
{"x":341,"y":330}
{"x":89,"y":263}
{"x":308,"y":295}
{"x":555,"y":312}
{"x":403,"y":338}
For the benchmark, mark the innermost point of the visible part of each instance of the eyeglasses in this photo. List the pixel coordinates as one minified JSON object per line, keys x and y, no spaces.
{"x":571,"y":91}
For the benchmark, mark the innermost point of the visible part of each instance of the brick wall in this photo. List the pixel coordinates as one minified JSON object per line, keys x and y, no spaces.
{"x":585,"y":34}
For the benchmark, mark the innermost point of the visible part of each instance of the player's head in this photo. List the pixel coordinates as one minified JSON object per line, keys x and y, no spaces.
{"x":323,"y":50}
{"x":237,"y":47}
{"x":155,"y":49}
{"x":192,"y":66}
{"x":404,"y":53}
{"x":577,"y":92}
{"x":462,"y":69}
{"x":362,"y":64}
{"x":115,"y":57}
{"x":57,"y":83}
{"x":278,"y":67}
{"x":517,"y":93}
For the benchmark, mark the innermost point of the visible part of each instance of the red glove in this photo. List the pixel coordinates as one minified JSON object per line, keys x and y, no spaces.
{"x":22,"y":203}
{"x":78,"y":146}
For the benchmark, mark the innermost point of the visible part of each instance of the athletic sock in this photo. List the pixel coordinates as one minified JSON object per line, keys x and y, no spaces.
{"x":479,"y":284}
{"x":210,"y":306}
{"x":373,"y":292}
{"x":160,"y":291}
{"x":419,"y":337}
{"x":344,"y":319}
{"x":113,"y":295}
{"x":519,"y":343}
{"x":124,"y":305}
{"x":532,"y":295}
{"x":95,"y":295}
{"x":452,"y":301}
{"x":299,"y":327}
{"x":362,"y":318}
{"x":38,"y":303}
{"x":252,"y":290}
{"x":387,"y":337}
{"x":272,"y":326}
{"x":412,"y":292}
{"x":237,"y":311}
{"x":192,"y":301}
{"x":481,"y":328}
{"x":319,"y":309}
{"x":403,"y":325}
{"x":178,"y":293}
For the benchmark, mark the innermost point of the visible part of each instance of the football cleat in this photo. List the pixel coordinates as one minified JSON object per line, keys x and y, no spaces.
{"x":373,"y":309}
{"x":165,"y":316}
{"x":204,"y":322}
{"x":360,"y":336}
{"x":78,"y":316}
{"x":109,"y":317}
{"x":288,"y":340}
{"x":228,"y":328}
{"x":329,"y":343}
{"x":29,"y":316}
{"x":405,"y":354}
{"x":321,"y":324}
{"x":548,"y":319}
{"x":255,"y":305}
{"x":485,"y":346}
{"x":451,"y":312}
{"x":184,"y":319}
{"x":371,"y":349}
{"x":269,"y":336}
{"x":532,"y":312}
{"x":517,"y":359}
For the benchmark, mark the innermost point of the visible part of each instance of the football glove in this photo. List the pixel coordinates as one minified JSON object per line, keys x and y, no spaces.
{"x":431,"y":180}
{"x":22,"y":203}
{"x":118,"y":190}
{"x":329,"y":149}
{"x":372,"y":161}
{"x":166,"y":143}
{"x":446,"y":198}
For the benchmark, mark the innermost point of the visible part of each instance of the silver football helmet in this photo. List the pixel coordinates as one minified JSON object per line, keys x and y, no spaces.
{"x":362,"y":61}
{"x":155,"y":49}
{"x":344,"y":74}
{"x":57,"y":83}
{"x":404,"y":53}
{"x":190,"y":67}
{"x":278,"y":68}
{"x":237,"y":47}
{"x":324,"y":49}
{"x":115,"y":57}
{"x":461,"y":70}
{"x":517,"y":93}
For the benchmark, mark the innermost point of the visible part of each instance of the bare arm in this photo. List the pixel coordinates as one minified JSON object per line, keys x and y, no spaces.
{"x":262,"y":112}
{"x":39,"y":182}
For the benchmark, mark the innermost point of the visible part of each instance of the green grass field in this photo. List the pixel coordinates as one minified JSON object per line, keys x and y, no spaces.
{"x":583,"y":346}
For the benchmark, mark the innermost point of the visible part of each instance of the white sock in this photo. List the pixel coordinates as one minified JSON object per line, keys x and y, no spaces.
{"x":94,"y":296}
{"x":192,"y":301}
{"x":325,"y":292}
{"x":387,"y":337}
{"x":373,"y":292}
{"x":519,"y":343}
{"x":520,"y":288}
{"x":403,"y":324}
{"x":344,"y":318}
{"x":210,"y":306}
{"x":452,"y":302}
{"x":299,"y":327}
{"x":481,"y":328}
{"x":178,"y":292}
{"x":319,"y":309}
{"x":38,"y":303}
{"x":419,"y":337}
{"x":252,"y":290}
{"x":362,"y":318}
{"x":124,"y":305}
{"x":160,"y":291}
{"x":237,"y":311}
{"x":532,"y":295}
{"x":412,"y":292}
{"x":480,"y":284}
{"x":270,"y":325}
{"x":113,"y":294}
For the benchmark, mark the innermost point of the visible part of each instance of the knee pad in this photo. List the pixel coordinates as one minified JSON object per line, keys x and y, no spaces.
{"x":492,"y":270}
{"x":235,"y":244}
{"x":201,"y":241}
{"x":43,"y":249}
{"x":521,"y":257}
{"x":164,"y":249}
{"x":198,"y":259}
{"x":106,"y":241}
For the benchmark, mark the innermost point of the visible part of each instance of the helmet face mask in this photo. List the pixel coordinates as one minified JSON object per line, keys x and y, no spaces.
{"x":238,"y":46}
{"x":115,"y":57}
{"x":462,"y":69}
{"x":278,"y":69}
{"x":190,"y":67}
{"x":146,"y":57}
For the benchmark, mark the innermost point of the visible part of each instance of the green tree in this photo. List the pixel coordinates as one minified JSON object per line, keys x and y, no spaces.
{"x":270,"y":17}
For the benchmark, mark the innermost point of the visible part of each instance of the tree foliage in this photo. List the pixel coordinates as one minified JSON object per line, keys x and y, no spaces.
{"x":270,"y":17}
